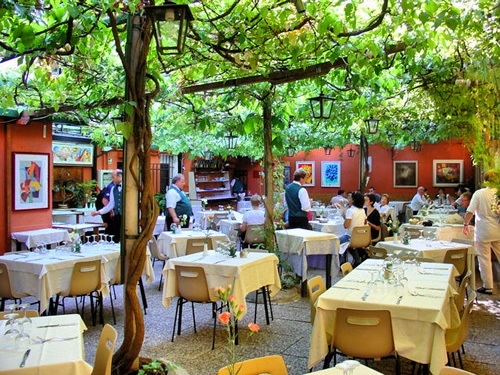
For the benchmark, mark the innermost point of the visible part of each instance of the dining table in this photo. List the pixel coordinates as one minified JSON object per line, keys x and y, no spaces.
{"x":80,"y":228}
{"x":66,"y":216}
{"x":203,"y":218}
{"x":160,"y":225}
{"x":230,"y":228}
{"x":31,"y":238}
{"x":358,"y":370}
{"x":173,"y":245}
{"x":329,"y":226}
{"x":56,"y":348}
{"x":421,"y":312}
{"x":445,"y":232}
{"x":246,"y":275}
{"x":433,"y":249}
{"x":297,"y":245}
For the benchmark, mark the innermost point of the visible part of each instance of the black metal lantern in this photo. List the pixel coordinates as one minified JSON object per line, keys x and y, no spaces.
{"x":328,"y":150}
{"x":372,"y":125}
{"x":231,"y":141}
{"x":290,"y":151}
{"x":321,"y":106}
{"x":351,"y":152}
{"x":208,"y":155}
{"x":170,"y":24}
{"x":416,"y":145}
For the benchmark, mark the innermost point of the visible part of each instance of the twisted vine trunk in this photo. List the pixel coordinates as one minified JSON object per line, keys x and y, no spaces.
{"x":140,"y":209}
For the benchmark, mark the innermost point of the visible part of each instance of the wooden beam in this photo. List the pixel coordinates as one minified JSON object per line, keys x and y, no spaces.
{"x":281,"y":77}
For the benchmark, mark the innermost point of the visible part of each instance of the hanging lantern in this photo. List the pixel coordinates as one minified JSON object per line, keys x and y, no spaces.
{"x":372,"y":125}
{"x":351,"y":152}
{"x":321,"y":106}
{"x":290,"y":151}
{"x":170,"y":24}
{"x":208,"y":155}
{"x":328,"y":150}
{"x":231,"y":141}
{"x":416,"y":145}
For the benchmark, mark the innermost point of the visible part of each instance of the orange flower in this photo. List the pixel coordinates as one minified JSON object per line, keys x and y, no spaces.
{"x":220,"y":289}
{"x":225,"y":317}
{"x":231,"y":298}
{"x":253,"y":327}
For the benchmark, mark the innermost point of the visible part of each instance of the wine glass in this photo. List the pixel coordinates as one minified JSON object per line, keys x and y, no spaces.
{"x":111,"y":238}
{"x":25,"y":319}
{"x":102,"y":241}
{"x":87,"y":243}
{"x":11,"y":332}
{"x":421,"y":234}
{"x":23,"y":339}
{"x":94,"y":242}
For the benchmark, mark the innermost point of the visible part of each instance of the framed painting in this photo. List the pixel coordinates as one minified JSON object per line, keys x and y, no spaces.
{"x":31,"y":181}
{"x":447,"y":172}
{"x":308,"y":166}
{"x":405,"y":173}
{"x":330,"y":174}
{"x":68,"y":153}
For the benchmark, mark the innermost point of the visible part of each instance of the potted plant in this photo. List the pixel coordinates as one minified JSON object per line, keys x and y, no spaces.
{"x":161,"y":200}
{"x":65,"y":190}
{"x":82,"y":191}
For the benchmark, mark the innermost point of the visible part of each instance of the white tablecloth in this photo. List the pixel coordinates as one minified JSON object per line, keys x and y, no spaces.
{"x":337,"y":228}
{"x":31,"y":238}
{"x":419,"y":322}
{"x":66,"y":216}
{"x":81,"y":228}
{"x":299,"y":243}
{"x":244,"y":274}
{"x":398,"y":206}
{"x":52,"y":357}
{"x":229,"y":228}
{"x":436,"y":250}
{"x":360,"y":370}
{"x":43,"y":276}
{"x":174,"y":245}
{"x":446,"y":233}
{"x":159,"y":226}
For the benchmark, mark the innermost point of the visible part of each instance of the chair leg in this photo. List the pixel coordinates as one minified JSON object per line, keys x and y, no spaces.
{"x":264,"y":297}
{"x":194,"y":318}
{"x":214,"y":308}
{"x":398,"y":365}
{"x":112,"y":309}
{"x":179,"y":322}
{"x":101,"y":308}
{"x":175,"y":318}
{"x":460,"y":359}
{"x":92,"y":309}
{"x":463,"y":349}
{"x":328,"y":359}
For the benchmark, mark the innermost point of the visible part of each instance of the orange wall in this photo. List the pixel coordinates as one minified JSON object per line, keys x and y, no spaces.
{"x":381,"y":176}
{"x":22,"y":138}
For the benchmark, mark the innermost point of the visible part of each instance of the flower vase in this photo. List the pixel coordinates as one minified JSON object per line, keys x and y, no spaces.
{"x":395,"y":238}
{"x":205,"y":249}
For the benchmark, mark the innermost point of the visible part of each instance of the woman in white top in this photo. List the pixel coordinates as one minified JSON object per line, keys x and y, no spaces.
{"x":255,"y":216}
{"x":354,"y":217}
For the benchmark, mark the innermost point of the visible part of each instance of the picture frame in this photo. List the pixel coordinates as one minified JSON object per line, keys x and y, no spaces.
{"x":447,"y":173}
{"x":70,"y":153}
{"x":330,"y":174}
{"x":308,"y":166}
{"x":30,"y":181}
{"x":405,"y":173}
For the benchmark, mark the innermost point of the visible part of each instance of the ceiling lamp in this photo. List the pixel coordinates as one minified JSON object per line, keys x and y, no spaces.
{"x":208,"y":155}
{"x":170,"y":24}
{"x":290,"y":151}
{"x":328,"y":150}
{"x":351,"y":152}
{"x":321,"y":106}
{"x":416,"y":145}
{"x":372,"y":125}
{"x":231,"y":141}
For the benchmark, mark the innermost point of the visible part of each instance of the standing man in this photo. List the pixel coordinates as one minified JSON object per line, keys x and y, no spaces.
{"x":487,"y":229}
{"x":178,"y":204}
{"x":113,"y":205}
{"x":298,"y":202}
{"x":371,"y":190}
{"x":418,"y":200}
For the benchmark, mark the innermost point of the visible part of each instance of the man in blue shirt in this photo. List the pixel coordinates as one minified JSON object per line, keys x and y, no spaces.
{"x":297,"y":201}
{"x":178,"y":204}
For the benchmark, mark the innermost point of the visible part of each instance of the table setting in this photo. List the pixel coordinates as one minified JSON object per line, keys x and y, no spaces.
{"x":174,"y":244}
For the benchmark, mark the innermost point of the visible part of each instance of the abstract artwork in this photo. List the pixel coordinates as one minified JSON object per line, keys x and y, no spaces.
{"x":308,"y":166}
{"x":330,"y":174}
{"x":31,"y":181}
{"x":405,"y":174}
{"x":67,"y":153}
{"x":447,"y":172}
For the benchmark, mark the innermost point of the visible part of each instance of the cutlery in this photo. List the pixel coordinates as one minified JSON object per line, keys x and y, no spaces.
{"x":25,"y":357}
{"x":42,"y":340}
{"x":423,"y":287}
{"x":32,"y":260}
{"x":344,"y":287}
{"x":77,"y":255}
{"x":431,"y":273}
{"x":220,"y":261}
{"x":415,"y":294}
{"x":355,"y":281}
{"x":58,"y":325}
{"x":399,"y":300}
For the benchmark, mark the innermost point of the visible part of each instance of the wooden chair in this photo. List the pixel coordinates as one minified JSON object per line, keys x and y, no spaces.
{"x":346,"y":268}
{"x":377,"y":252}
{"x":363,"y":334}
{"x":192,"y":287}
{"x":271,"y":364}
{"x":454,"y":371}
{"x":254,"y":235}
{"x":360,"y":239}
{"x":29,"y":313}
{"x":462,"y":291}
{"x":156,"y":254}
{"x":196,"y":245}
{"x":455,"y":337}
{"x":85,"y":281}
{"x":105,"y":349}
{"x":315,"y":287}
{"x":6,"y":292}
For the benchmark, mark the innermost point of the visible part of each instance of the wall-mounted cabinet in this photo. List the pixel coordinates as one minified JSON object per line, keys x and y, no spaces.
{"x":212,"y":185}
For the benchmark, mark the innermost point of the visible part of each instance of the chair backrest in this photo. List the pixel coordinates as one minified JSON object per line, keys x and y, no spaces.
{"x":105,"y":349}
{"x":155,"y":251}
{"x":360,"y":237}
{"x":86,"y":277}
{"x":195,"y":245}
{"x":346,"y":268}
{"x":192,"y":283}
{"x":363,"y":333}
{"x":425,"y":260}
{"x":408,"y":212}
{"x":460,"y":296}
{"x":5,"y":289}
{"x":457,"y":257}
{"x":377,"y":252}
{"x":454,"y":371}
{"x":254,"y":234}
{"x":29,"y":313}
{"x":315,"y":287}
{"x":455,"y":337}
{"x":271,"y":364}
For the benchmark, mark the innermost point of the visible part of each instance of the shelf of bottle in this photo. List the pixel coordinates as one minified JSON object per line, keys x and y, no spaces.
{"x":211,"y":181}
{"x":215,"y":190}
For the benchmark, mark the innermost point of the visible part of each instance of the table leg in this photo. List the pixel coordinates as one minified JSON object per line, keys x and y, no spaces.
{"x":328,"y":270}
{"x":264,"y":296}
